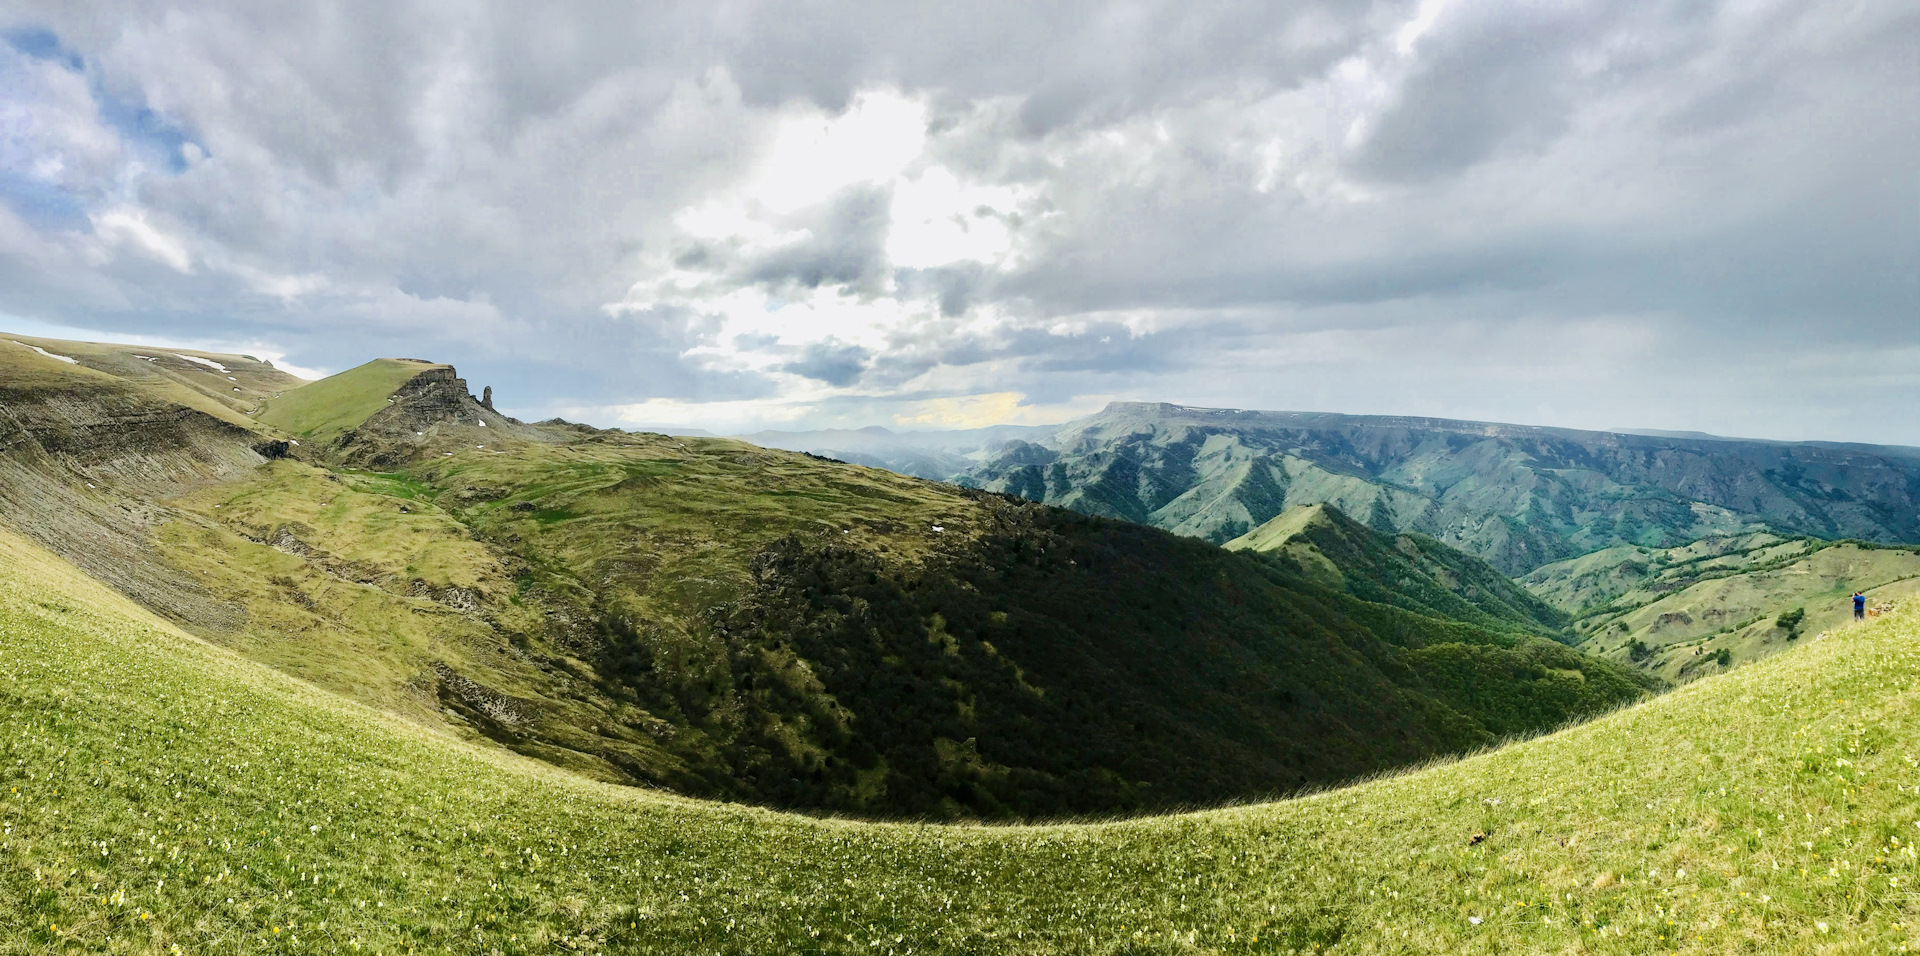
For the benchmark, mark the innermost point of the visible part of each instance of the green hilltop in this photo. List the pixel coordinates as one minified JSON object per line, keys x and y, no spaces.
{"x":324,"y":410}
{"x":1406,"y":570}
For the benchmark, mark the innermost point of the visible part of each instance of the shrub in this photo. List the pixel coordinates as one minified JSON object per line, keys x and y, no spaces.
{"x":1790,"y":621}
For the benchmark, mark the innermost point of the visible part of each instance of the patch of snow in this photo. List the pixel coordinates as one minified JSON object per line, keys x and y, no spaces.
{"x":937,"y":529}
{"x":483,"y":424}
{"x":293,"y":441}
{"x":36,"y":348}
{"x":210,"y":363}
{"x":232,"y":379}
{"x":147,"y":357}
{"x":89,"y":484}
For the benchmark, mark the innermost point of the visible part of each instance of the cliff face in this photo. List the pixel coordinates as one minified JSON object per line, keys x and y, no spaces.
{"x":425,"y":413}
{"x":1516,"y":496}
{"x":86,"y":469}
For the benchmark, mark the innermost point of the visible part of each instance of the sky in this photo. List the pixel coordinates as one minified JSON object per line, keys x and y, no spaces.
{"x":734,"y":215}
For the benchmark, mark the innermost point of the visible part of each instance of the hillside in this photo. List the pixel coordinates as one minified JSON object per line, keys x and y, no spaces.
{"x":729,"y":621}
{"x":226,"y":387}
{"x":1684,"y":612}
{"x":1518,"y":497}
{"x":1411,"y":571}
{"x":94,"y":439}
{"x":324,"y":410}
{"x":160,"y":792}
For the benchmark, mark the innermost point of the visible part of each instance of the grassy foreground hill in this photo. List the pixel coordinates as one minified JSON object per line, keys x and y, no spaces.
{"x":733,"y":622}
{"x":159,"y":795}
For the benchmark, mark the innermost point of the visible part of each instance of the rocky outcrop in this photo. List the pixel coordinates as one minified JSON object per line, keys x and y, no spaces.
{"x":429,"y":410}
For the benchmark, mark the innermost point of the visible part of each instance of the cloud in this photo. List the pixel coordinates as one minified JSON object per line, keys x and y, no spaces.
{"x":831,"y":363}
{"x":827,"y":210}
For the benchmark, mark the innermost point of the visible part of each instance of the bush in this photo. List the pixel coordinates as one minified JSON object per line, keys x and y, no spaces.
{"x":1790,"y":621}
{"x":1725,"y":657}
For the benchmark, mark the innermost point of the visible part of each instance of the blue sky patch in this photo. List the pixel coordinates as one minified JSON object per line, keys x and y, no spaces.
{"x":43,"y":205}
{"x":42,"y":44}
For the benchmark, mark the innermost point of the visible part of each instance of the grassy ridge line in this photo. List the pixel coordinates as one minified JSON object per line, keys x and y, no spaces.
{"x":160,"y":792}
{"x":167,"y":374}
{"x":326,"y":409}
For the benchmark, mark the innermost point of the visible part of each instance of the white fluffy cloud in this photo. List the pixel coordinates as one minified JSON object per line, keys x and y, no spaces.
{"x":827,"y":214}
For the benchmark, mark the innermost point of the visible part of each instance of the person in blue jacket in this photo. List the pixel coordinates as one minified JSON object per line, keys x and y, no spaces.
{"x":1859,"y":606}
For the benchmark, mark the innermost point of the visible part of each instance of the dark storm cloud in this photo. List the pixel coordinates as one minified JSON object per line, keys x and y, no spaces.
{"x":830,"y":363}
{"x":1239,"y":203}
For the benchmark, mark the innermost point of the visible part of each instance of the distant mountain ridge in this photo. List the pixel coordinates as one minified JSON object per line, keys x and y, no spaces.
{"x":1518,"y":496}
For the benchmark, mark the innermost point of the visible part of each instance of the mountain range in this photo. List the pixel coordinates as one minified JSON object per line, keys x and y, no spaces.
{"x":1517,"y":496}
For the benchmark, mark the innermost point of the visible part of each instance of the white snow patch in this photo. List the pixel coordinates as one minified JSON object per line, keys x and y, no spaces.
{"x":210,"y":363}
{"x":483,"y":424}
{"x":937,"y":529}
{"x":36,"y":348}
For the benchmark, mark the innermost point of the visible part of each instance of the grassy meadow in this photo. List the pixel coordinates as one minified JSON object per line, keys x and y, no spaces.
{"x":162,"y":795}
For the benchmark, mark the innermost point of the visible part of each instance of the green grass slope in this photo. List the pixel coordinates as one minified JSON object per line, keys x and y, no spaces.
{"x":1699,"y":609}
{"x":1406,"y":570}
{"x":158,"y":795}
{"x":324,"y":410}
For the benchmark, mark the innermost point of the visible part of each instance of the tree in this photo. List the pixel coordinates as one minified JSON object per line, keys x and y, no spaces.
{"x":1791,"y":621}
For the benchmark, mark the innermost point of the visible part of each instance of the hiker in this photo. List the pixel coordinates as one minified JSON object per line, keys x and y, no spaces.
{"x":1859,"y":606}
